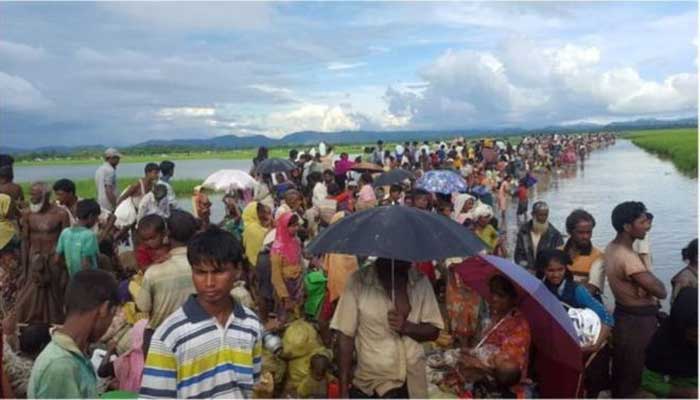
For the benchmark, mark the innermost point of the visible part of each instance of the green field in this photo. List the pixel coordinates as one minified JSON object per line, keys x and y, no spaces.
{"x":86,"y":188}
{"x":242,"y":154}
{"x":678,"y":145}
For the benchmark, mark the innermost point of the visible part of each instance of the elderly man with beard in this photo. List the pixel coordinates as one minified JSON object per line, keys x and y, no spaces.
{"x":536,"y":236}
{"x":41,"y":296}
{"x":587,"y":266}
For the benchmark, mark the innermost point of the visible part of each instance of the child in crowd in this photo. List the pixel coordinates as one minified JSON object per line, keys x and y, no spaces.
{"x":63,"y":370}
{"x":77,"y":245}
{"x":522,"y":194}
{"x":20,"y":349}
{"x":152,"y":248}
{"x":209,"y":326}
{"x":316,"y":385}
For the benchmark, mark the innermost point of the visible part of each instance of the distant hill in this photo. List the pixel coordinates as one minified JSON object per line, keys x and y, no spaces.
{"x":230,"y":142}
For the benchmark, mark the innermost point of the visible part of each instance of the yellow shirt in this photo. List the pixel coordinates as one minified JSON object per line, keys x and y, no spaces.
{"x":385,"y":360}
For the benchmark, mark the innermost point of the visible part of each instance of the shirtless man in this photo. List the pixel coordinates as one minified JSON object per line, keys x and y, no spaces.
{"x":41,"y":294}
{"x":13,"y":190}
{"x":144,"y":185}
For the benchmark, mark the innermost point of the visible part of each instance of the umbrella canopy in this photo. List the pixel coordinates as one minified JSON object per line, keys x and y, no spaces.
{"x":442,"y":181}
{"x":229,"y":179}
{"x":272,"y":165}
{"x":366,"y":167}
{"x":394,"y":176}
{"x":558,"y":357}
{"x":397,"y":232}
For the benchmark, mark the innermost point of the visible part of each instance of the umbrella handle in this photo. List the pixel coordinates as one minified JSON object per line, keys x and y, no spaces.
{"x":393,"y":284}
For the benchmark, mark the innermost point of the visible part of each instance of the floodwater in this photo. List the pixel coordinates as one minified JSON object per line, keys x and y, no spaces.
{"x":610,"y":176}
{"x":185,"y":169}
{"x":620,"y":173}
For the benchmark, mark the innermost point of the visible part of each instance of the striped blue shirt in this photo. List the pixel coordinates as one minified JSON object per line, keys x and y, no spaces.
{"x":193,"y":356}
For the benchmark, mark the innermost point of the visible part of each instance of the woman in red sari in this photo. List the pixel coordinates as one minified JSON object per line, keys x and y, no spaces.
{"x":504,"y":336}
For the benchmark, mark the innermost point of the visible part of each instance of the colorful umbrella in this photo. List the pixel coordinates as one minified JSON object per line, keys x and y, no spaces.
{"x":229,"y":179}
{"x":442,"y":181}
{"x":558,"y":358}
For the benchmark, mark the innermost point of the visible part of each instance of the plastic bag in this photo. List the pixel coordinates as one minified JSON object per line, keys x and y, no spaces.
{"x":125,"y":213}
{"x":315,"y":287}
{"x":299,"y":343}
{"x":300,"y":339}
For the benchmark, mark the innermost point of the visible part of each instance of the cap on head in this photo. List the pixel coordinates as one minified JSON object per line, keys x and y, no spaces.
{"x":540,"y":206}
{"x":112,"y":152}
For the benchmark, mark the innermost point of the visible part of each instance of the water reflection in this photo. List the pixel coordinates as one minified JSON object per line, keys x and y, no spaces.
{"x":620,"y":173}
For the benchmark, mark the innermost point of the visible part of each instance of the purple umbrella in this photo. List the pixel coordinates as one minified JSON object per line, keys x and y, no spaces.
{"x":558,"y":357}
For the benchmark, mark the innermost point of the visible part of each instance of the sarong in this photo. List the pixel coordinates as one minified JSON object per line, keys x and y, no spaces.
{"x":634,"y":328}
{"x":41,"y":298}
{"x":295,"y":288}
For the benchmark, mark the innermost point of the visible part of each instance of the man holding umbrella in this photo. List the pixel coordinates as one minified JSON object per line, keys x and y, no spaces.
{"x":386,"y":335}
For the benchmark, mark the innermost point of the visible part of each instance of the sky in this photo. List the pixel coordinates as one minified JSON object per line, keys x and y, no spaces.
{"x":122,"y":73}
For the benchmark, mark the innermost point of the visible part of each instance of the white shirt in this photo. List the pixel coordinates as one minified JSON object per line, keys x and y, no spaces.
{"x":172,"y":199}
{"x":149,"y":205}
{"x":106,"y":175}
{"x":320,"y":193}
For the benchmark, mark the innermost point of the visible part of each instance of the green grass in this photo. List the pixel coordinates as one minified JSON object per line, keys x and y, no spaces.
{"x":243,"y":154}
{"x":86,"y":188}
{"x":678,"y":145}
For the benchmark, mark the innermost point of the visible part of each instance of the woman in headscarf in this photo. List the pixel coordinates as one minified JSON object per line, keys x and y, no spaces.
{"x":256,"y":223}
{"x":232,"y":222}
{"x":485,"y":231}
{"x":366,"y":198}
{"x":286,"y":263}
{"x":9,"y":244}
{"x":672,"y":356}
{"x":463,"y":205}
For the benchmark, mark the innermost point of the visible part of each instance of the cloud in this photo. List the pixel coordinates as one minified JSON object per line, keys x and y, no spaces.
{"x":339,"y":66}
{"x":469,"y":87}
{"x":197,"y":15}
{"x":186,"y":112}
{"x":20,"y":52}
{"x":108,"y":72}
{"x":20,"y":95}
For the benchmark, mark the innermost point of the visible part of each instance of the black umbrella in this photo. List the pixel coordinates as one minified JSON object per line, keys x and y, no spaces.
{"x":394,"y":176}
{"x":272,"y":165}
{"x":399,"y":233}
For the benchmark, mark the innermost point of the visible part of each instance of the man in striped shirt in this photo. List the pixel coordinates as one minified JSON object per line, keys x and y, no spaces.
{"x":211,"y":346}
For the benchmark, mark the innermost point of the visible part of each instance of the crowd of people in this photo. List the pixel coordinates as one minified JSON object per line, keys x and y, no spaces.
{"x":129,"y":293}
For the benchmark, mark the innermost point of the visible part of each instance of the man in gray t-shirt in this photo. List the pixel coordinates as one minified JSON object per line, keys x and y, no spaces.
{"x":106,"y":180}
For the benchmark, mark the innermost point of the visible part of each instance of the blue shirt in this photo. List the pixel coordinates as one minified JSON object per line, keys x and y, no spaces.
{"x":585,"y":300}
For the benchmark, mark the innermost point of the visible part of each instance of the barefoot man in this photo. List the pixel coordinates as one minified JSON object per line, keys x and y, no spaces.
{"x":41,"y":294}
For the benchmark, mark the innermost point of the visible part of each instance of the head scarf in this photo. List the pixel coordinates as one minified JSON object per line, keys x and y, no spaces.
{"x":669,"y":352}
{"x":253,"y":232}
{"x":459,"y":201}
{"x":483,"y":210}
{"x":339,"y":267}
{"x":7,"y":229}
{"x":286,"y":245}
